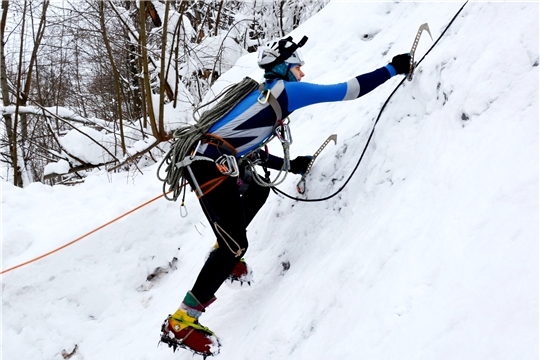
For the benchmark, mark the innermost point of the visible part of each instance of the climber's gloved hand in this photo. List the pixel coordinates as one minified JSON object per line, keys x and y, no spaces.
{"x":402,"y":63}
{"x":300,"y":164}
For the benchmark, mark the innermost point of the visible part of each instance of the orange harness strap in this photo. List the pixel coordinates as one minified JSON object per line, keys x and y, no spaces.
{"x":212,"y":184}
{"x":219,"y":142}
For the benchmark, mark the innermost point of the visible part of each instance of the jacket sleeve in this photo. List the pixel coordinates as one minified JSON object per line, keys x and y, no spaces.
{"x":301,"y":94}
{"x":270,"y":161}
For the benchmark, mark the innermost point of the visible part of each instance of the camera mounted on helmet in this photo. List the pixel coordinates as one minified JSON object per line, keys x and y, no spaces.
{"x":281,"y":51}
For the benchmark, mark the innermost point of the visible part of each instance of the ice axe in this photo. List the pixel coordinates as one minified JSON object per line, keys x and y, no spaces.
{"x":301,"y":186}
{"x":421,"y":29}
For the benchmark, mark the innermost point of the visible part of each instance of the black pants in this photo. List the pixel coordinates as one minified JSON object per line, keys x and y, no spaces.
{"x":229,"y":215}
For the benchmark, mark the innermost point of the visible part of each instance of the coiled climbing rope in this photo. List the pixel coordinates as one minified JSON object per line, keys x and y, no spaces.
{"x":186,"y":137}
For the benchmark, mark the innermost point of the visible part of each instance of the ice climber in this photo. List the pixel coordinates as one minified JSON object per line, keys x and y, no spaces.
{"x":228,"y":194}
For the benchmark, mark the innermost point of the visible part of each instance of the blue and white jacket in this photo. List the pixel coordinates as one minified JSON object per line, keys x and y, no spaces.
{"x":250,"y":123}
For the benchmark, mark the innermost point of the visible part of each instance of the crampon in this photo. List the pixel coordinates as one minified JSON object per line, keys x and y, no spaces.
{"x":241,"y":274}
{"x":200,"y":340}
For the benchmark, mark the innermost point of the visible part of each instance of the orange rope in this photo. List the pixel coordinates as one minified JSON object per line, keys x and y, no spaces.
{"x":82,"y":237}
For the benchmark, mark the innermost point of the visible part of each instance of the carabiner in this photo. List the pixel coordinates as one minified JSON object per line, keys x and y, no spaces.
{"x":184,"y":212}
{"x":283,"y":133}
{"x":265,"y":98}
{"x":227,"y":165}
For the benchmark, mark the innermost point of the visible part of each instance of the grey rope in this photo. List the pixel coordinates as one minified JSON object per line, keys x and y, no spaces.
{"x":285,"y":139}
{"x":185,"y":138}
{"x":280,"y":177}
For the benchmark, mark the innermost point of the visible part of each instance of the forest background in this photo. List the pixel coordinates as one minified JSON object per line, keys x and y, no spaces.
{"x":91,"y":85}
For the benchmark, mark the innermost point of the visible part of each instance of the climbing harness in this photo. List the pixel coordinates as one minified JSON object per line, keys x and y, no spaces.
{"x":179,"y":158}
{"x":279,"y":192}
{"x":185,"y":151}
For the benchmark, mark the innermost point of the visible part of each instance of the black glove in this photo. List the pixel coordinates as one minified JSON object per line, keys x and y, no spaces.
{"x":402,"y":63}
{"x":300,"y":164}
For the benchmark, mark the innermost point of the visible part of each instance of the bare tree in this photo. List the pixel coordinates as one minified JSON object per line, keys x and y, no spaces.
{"x":118,"y":88}
{"x":115,"y":68}
{"x":8,"y":121}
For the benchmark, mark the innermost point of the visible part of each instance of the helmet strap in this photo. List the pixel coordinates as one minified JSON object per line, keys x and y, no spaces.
{"x":287,"y":75}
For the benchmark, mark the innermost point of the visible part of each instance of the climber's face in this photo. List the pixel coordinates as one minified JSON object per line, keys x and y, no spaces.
{"x":297,"y":72}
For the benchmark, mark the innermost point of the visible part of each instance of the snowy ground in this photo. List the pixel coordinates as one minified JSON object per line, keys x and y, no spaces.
{"x":431,"y":251}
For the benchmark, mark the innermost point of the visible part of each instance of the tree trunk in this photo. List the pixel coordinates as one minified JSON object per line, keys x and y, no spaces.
{"x":17,"y":171}
{"x":11,"y":134}
{"x":183,"y":8}
{"x":29,"y":73}
{"x":217,"y":18}
{"x":281,"y":30}
{"x":146,"y":75}
{"x":163,"y":80}
{"x":115,"y":75}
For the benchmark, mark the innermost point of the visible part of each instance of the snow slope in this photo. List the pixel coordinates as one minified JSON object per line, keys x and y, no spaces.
{"x":430,"y":252}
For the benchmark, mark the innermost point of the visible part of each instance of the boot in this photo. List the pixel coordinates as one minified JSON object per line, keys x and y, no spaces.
{"x":182,"y":329}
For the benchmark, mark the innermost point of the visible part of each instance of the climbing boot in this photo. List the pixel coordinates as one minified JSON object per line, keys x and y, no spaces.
{"x":182,"y":329}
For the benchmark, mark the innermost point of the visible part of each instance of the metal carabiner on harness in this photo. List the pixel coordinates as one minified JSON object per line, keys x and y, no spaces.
{"x":227,"y":165}
{"x":262,"y":99}
{"x":283,"y":133}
